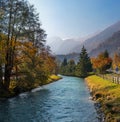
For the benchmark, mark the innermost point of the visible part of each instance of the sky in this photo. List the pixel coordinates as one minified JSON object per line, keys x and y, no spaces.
{"x":76,"y":18}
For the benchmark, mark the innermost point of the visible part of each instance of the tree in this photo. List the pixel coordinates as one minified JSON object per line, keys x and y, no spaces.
{"x":70,"y":70}
{"x":64,"y":63}
{"x":102,"y":62}
{"x":50,"y":64}
{"x":116,"y":61}
{"x":84,"y":65}
{"x":2,"y":58}
{"x":30,"y":66}
{"x":63,"y":67}
{"x":106,"y":54}
{"x":19,"y":22}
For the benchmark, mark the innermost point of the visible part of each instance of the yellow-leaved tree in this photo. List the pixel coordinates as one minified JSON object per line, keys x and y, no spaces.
{"x":116,"y":61}
{"x":102,"y":62}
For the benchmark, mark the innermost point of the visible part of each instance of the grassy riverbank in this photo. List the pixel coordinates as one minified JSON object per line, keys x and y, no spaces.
{"x":53,"y":78}
{"x":16,"y":88}
{"x":108,"y":94}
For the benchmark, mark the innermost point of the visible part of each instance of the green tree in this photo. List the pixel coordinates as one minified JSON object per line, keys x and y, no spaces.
{"x":63,"y":67}
{"x":64,"y":63}
{"x":84,"y":65}
{"x":106,"y":54}
{"x":71,"y":67}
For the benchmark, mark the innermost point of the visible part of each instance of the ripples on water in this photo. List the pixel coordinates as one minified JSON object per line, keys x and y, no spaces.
{"x":66,"y":100}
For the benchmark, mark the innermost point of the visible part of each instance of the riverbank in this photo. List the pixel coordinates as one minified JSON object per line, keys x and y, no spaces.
{"x":53,"y":78}
{"x":15,"y":90}
{"x":107,"y":95}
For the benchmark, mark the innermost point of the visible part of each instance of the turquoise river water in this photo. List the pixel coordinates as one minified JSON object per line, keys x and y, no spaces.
{"x":66,"y":100}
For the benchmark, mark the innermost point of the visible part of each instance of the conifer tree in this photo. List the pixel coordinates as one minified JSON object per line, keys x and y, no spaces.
{"x":84,"y":65}
{"x":64,"y":63}
{"x":63,"y":67}
{"x":71,"y":67}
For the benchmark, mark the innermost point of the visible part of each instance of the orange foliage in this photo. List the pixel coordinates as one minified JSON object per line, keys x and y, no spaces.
{"x":116,"y":61}
{"x":101,"y":63}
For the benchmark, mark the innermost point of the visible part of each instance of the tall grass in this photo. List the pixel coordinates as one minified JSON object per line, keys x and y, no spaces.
{"x":108,"y":94}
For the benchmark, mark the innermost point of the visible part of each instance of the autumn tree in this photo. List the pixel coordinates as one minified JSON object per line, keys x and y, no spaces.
{"x":19,"y":22}
{"x":116,"y":61}
{"x":50,"y":63}
{"x":102,"y":62}
{"x":2,"y":57}
{"x":28,"y":65}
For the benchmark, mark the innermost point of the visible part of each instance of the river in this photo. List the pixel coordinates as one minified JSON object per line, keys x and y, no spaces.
{"x":66,"y":100}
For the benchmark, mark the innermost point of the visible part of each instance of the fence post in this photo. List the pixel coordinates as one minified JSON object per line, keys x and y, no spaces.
{"x":119,"y":80}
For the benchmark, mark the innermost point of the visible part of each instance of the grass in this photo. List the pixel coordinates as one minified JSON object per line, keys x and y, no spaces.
{"x":53,"y":78}
{"x":108,"y":94}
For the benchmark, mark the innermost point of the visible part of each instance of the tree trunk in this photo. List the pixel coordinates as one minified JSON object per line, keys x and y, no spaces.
{"x":8,"y":54}
{"x":8,"y":70}
{"x":1,"y":78}
{"x":7,"y":76}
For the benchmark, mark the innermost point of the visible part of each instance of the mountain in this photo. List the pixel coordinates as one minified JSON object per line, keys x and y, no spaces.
{"x":54,"y":43}
{"x":60,"y":46}
{"x":65,"y":46}
{"x":94,"y":41}
{"x":112,"y":45}
{"x":74,"y":56}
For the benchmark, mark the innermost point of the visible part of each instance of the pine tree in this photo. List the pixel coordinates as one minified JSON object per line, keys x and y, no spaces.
{"x":106,"y":54}
{"x":63,"y":67}
{"x":64,"y":63}
{"x":84,"y":65}
{"x":71,"y":67}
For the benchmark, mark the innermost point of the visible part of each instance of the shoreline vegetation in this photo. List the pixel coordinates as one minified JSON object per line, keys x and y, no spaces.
{"x":106,"y":96}
{"x":14,"y":91}
{"x":26,"y":61}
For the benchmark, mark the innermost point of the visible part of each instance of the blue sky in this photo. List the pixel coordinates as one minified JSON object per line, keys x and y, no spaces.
{"x":76,"y":18}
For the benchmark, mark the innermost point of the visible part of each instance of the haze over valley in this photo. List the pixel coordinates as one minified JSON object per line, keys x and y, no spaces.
{"x":94,"y":43}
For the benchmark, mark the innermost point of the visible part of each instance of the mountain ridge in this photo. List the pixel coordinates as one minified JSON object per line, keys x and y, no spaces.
{"x":68,"y":46}
{"x":94,"y":41}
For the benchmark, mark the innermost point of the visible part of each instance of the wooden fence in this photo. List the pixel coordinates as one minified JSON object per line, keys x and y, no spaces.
{"x":115,"y":78}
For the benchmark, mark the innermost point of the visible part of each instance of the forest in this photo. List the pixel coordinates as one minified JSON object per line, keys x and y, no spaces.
{"x":102,"y":64}
{"x":25,"y":60}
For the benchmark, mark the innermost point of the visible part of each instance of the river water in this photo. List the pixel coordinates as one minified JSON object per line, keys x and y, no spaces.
{"x":66,"y":100}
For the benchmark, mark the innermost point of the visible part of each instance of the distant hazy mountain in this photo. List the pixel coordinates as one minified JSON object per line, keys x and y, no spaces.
{"x":94,"y":41}
{"x":54,"y":43}
{"x":112,"y":44}
{"x":74,"y":56}
{"x":59,"y":46}
{"x":66,"y":46}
